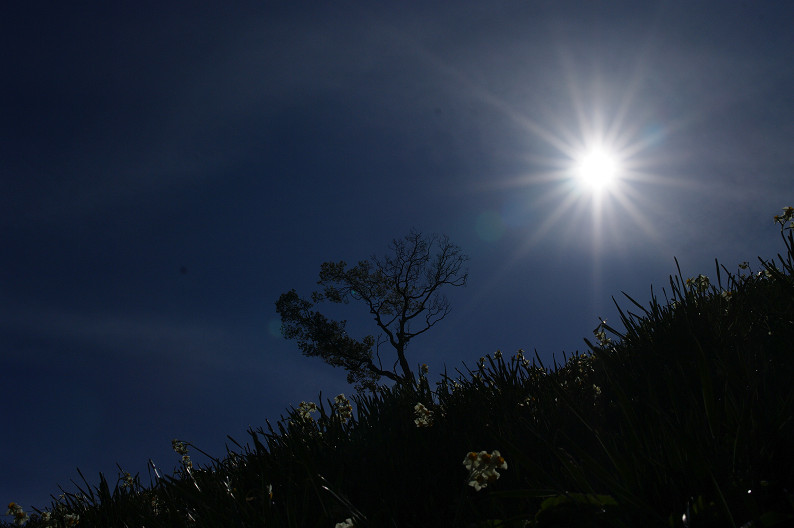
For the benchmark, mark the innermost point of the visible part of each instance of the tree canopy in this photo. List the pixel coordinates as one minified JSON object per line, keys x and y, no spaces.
{"x":402,"y":291}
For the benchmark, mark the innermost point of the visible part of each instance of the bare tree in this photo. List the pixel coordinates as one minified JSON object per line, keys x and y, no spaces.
{"x":401,"y":291}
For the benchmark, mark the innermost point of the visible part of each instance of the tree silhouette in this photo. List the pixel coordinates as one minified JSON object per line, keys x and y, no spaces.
{"x":401,"y":291}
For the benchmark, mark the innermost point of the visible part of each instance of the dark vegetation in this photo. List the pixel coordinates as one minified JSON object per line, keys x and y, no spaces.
{"x":402,"y":293}
{"x":683,"y":418}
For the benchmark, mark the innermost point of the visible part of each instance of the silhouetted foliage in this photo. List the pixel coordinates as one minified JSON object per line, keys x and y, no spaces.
{"x":681,"y":419}
{"x":401,"y":291}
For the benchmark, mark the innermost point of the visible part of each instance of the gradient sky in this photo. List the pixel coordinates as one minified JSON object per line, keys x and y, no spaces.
{"x":247,"y":142}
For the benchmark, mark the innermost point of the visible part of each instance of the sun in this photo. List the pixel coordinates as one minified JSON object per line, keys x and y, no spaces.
{"x":593,"y":168}
{"x":597,"y":169}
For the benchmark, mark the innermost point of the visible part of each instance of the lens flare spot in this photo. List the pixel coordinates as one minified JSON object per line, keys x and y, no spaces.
{"x":490,"y":226}
{"x":274,"y":328}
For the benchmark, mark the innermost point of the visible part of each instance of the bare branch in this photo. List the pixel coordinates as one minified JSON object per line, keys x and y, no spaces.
{"x":398,"y":289}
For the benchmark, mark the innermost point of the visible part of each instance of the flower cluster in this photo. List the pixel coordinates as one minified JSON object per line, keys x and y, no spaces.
{"x":127,"y":481}
{"x":743,"y":266}
{"x":699,"y":283}
{"x":527,"y":402}
{"x":156,"y":504}
{"x":520,"y":357}
{"x":179,"y":446}
{"x":57,"y":518}
{"x":482,"y":468}
{"x":601,"y":335}
{"x":764,"y":274}
{"x":787,"y":216}
{"x":343,"y":408}
{"x":305,"y":409}
{"x":181,"y":449}
{"x":424,"y":416}
{"x":20,"y":517}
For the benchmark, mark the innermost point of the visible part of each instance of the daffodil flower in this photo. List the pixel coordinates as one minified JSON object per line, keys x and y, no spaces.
{"x":482,"y":468}
{"x":424,"y":416}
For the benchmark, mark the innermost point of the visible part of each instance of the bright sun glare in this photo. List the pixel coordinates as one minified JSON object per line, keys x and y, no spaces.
{"x":597,"y":169}
{"x":590,"y":163}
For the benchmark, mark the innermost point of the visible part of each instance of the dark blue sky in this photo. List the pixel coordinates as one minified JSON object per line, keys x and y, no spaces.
{"x":251,"y":141}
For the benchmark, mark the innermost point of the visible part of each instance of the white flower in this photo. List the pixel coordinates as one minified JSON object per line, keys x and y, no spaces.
{"x":127,"y":481}
{"x":602,"y":338}
{"x":343,"y":408}
{"x":155,"y":503}
{"x":347,"y":523}
{"x":699,"y":283}
{"x":787,"y":216}
{"x":20,"y":517}
{"x":424,"y":416}
{"x":526,"y":402}
{"x":471,"y":460}
{"x":179,"y":447}
{"x":305,"y":409}
{"x":482,"y":468}
{"x":520,"y":357}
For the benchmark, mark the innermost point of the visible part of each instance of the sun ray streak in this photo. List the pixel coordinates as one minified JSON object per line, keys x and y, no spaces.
{"x":600,"y":113}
